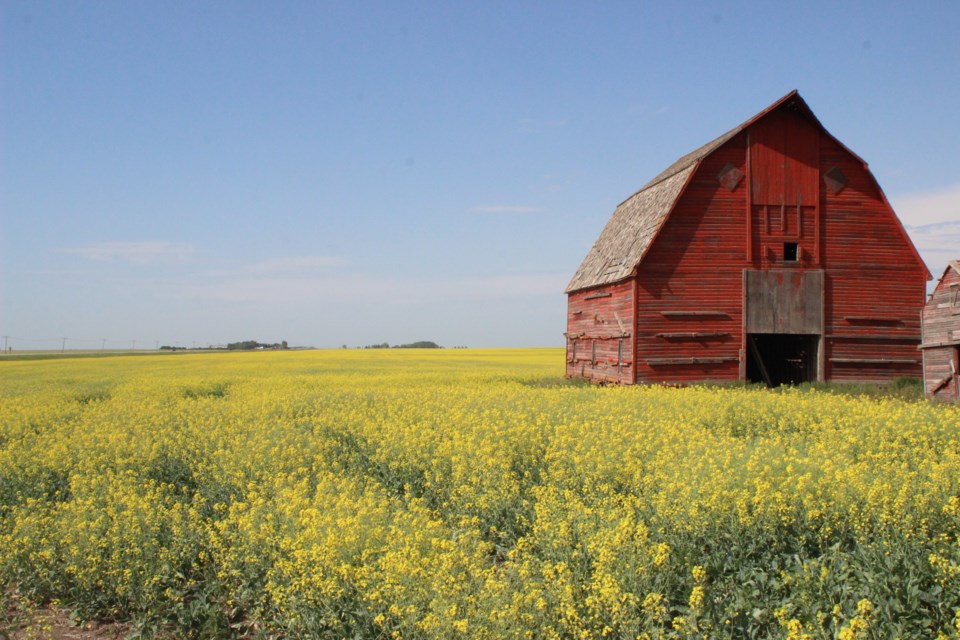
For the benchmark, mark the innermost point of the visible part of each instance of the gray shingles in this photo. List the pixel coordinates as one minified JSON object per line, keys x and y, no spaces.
{"x":629,"y":232}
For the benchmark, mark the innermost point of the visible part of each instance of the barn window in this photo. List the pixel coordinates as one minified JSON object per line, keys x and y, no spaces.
{"x":791,"y":252}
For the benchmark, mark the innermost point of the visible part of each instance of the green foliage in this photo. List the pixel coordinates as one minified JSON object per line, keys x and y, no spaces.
{"x":250,"y":345}
{"x":422,"y":344}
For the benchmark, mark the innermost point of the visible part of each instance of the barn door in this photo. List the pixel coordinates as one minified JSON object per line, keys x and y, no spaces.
{"x":784,"y":301}
{"x":783,"y":318}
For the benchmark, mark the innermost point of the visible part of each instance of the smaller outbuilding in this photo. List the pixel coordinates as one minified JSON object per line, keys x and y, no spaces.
{"x":941,"y":337}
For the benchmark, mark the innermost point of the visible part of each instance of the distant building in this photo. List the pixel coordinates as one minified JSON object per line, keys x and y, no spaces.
{"x":769,"y":254}
{"x":941,"y":337}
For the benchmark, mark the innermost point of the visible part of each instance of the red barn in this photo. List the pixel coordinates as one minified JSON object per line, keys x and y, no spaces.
{"x":941,"y":337}
{"x":769,"y":254}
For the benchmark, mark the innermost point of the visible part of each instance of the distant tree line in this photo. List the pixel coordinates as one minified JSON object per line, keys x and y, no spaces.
{"x":422,"y":344}
{"x":249,"y":345}
{"x":244,"y":345}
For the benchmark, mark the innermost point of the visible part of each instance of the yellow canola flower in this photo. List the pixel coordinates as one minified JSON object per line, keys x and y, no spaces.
{"x":452,"y":493}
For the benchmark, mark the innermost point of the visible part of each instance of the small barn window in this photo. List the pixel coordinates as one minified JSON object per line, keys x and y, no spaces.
{"x":791,"y":252}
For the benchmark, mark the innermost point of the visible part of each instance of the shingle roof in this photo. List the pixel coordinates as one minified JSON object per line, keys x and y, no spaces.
{"x":629,"y":233}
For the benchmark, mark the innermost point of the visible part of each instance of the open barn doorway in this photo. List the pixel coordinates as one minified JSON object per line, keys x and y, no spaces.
{"x":782,"y":358}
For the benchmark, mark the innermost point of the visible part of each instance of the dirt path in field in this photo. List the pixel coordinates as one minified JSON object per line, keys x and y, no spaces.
{"x":18,"y":623}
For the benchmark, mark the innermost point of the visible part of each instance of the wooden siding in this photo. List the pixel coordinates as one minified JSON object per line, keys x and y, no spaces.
{"x":941,"y":339}
{"x":689,"y":290}
{"x":600,"y":333}
{"x":783,"y":160}
{"x":875,"y":283}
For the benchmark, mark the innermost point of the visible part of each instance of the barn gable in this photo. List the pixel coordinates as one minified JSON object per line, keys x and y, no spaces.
{"x":768,"y":254}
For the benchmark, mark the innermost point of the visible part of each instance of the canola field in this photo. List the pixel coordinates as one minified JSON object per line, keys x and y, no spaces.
{"x":469,"y":494}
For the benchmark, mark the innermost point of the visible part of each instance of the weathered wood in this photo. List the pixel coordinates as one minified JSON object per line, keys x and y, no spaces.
{"x":876,"y":360}
{"x":935,"y":345}
{"x":692,"y":334}
{"x":882,"y":337}
{"x":672,"y":361}
{"x":873,"y":320}
{"x":784,"y":301}
{"x":693,"y":314}
{"x":941,"y":337}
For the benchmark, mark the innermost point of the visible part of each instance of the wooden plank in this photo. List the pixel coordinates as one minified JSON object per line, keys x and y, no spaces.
{"x":749,"y":207}
{"x":875,"y":360}
{"x":694,"y":314}
{"x":933,"y":345}
{"x":683,"y":361}
{"x":873,"y":319}
{"x":692,"y":334}
{"x":882,"y":337}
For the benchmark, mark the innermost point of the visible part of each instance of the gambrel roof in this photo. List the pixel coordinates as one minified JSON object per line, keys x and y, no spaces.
{"x":637,"y":220}
{"x":635,"y":223}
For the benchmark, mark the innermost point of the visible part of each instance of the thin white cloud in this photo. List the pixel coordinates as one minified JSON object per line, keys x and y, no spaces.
{"x":505,"y":208}
{"x":148,"y":252}
{"x":940,"y":205}
{"x":293,"y":264}
{"x":937,"y":243}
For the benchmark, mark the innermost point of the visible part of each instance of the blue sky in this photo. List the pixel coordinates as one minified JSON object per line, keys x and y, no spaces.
{"x":333,"y":173}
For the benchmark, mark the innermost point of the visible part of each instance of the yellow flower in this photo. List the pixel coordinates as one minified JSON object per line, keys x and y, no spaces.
{"x":699,"y":574}
{"x":696,"y":597}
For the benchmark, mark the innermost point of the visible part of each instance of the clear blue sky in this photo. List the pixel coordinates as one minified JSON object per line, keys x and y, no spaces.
{"x":333,"y":173}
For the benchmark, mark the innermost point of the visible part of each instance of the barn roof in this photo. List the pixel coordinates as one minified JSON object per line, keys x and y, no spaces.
{"x":636,"y":221}
{"x":951,"y":264}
